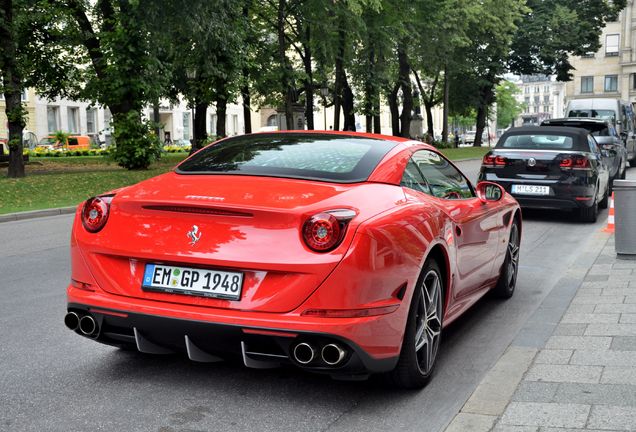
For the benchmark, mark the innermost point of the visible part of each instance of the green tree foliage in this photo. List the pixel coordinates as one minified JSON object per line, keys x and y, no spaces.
{"x":508,"y":107}
{"x":552,"y":30}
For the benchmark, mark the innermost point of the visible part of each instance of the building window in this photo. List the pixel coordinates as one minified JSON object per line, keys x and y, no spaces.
{"x":537,"y":100}
{"x":235,"y":127}
{"x":213,"y":124}
{"x":526,"y":90}
{"x":186,"y":126}
{"x":633,"y":81}
{"x":23,"y":97}
{"x":536,"y":109}
{"x":546,"y":108}
{"x":53,"y":118}
{"x":587,"y":84}
{"x":536,"y":89}
{"x":272,"y":120}
{"x":546,"y":89}
{"x":526,"y":101}
{"x":612,"y":44}
{"x":90,"y":121}
{"x":611,"y":83}
{"x":73,"y":119}
{"x":546,"y":99}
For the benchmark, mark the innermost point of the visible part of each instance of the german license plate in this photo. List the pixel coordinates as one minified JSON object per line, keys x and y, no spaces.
{"x":530,"y":190}
{"x":193,"y":281}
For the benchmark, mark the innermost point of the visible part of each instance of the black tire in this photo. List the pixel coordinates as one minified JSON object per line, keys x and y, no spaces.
{"x":589,"y":214}
{"x":507,"y":282}
{"x":632,"y":163}
{"x":424,"y":329}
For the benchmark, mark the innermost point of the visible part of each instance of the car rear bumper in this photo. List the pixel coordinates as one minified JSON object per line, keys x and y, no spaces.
{"x":259,"y":340}
{"x":563,"y":196}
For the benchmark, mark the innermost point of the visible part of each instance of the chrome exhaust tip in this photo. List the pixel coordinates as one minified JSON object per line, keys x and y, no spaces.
{"x":71,"y":320}
{"x":332,"y":354}
{"x":87,"y":325}
{"x":304,"y":353}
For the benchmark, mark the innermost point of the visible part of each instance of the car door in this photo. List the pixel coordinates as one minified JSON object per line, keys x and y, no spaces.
{"x":476,"y":226}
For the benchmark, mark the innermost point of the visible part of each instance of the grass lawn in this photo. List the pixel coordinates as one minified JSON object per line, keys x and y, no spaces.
{"x":465,"y":152}
{"x":61,"y":182}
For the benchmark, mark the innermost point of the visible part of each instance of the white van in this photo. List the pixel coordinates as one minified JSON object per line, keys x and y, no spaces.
{"x":619,"y":112}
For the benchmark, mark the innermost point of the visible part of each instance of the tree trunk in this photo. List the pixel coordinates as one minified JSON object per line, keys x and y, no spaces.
{"x":309,"y":79}
{"x":288,"y":89}
{"x":247,"y":102}
{"x":348,"y":107}
{"x":377,"y":127}
{"x":12,"y":83}
{"x":407,"y":92}
{"x":394,"y":109}
{"x":200,"y":130}
{"x":156,"y":119}
{"x":428,"y":108}
{"x":245,"y":88}
{"x":486,"y":97}
{"x":340,"y":77}
{"x":221,"y":114}
{"x":445,"y":107}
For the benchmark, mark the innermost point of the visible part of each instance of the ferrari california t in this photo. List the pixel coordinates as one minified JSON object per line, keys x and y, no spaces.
{"x":340,"y":253}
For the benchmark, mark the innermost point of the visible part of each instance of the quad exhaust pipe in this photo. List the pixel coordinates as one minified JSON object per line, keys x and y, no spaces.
{"x":71,"y":320}
{"x":331,"y":354}
{"x":304,"y":353}
{"x":86,"y":324}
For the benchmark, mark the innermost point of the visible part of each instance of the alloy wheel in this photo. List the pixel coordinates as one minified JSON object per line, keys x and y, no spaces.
{"x":428,"y":322}
{"x":513,"y":255}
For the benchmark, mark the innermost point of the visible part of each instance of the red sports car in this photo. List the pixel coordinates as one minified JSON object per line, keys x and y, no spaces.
{"x":341,"y":253}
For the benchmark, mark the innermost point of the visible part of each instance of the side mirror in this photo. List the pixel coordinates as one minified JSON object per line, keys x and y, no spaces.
{"x":489,"y":192}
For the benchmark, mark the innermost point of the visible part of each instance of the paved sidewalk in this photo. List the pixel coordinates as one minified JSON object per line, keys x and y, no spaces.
{"x":582,"y":375}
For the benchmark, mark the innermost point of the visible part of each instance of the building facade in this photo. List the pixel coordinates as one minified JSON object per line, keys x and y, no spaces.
{"x":542,"y":96}
{"x":611,"y":71}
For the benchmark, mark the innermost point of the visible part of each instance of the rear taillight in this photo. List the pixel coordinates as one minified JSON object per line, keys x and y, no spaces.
{"x":494,"y":161}
{"x":95,"y":213}
{"x":575,"y":162}
{"x":324,"y":231}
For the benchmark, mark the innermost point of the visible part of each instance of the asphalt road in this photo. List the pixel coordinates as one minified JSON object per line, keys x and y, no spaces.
{"x":54,"y":380}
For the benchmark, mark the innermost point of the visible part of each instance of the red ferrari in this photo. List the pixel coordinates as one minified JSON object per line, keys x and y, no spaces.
{"x":341,"y":253}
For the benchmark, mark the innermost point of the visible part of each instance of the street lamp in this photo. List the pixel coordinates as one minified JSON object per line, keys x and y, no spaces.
{"x":191,"y":74}
{"x":324,"y":92}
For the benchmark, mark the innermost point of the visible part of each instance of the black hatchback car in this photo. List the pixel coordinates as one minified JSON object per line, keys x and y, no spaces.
{"x":550,"y":167}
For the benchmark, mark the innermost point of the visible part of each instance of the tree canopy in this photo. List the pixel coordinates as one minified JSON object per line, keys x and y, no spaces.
{"x":127,"y":54}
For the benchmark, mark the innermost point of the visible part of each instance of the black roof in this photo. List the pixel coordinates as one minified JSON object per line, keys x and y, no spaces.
{"x":577,"y":120}
{"x":548,"y":130}
{"x":578,"y":135}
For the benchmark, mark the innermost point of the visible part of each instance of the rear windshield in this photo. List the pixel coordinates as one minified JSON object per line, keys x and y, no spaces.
{"x":337,"y":158}
{"x":604,"y":114}
{"x":537,"y":142}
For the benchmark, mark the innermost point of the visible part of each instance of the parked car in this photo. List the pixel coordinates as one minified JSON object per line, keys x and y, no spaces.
{"x":340,"y":253}
{"x":4,"y":151}
{"x":550,"y":167}
{"x":607,"y":138}
{"x":73,"y":142}
{"x":619,"y":113}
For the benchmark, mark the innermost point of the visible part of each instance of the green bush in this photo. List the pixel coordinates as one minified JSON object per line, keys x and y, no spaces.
{"x":135,"y":146}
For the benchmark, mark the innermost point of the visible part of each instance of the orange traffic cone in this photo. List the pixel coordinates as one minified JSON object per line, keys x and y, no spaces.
{"x":610,"y":216}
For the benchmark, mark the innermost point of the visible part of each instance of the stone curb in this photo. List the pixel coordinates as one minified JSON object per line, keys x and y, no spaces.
{"x":493,"y":394}
{"x":36,"y":214}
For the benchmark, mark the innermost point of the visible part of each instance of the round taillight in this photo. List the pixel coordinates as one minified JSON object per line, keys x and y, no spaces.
{"x":95,"y":214}
{"x":322,"y":232}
